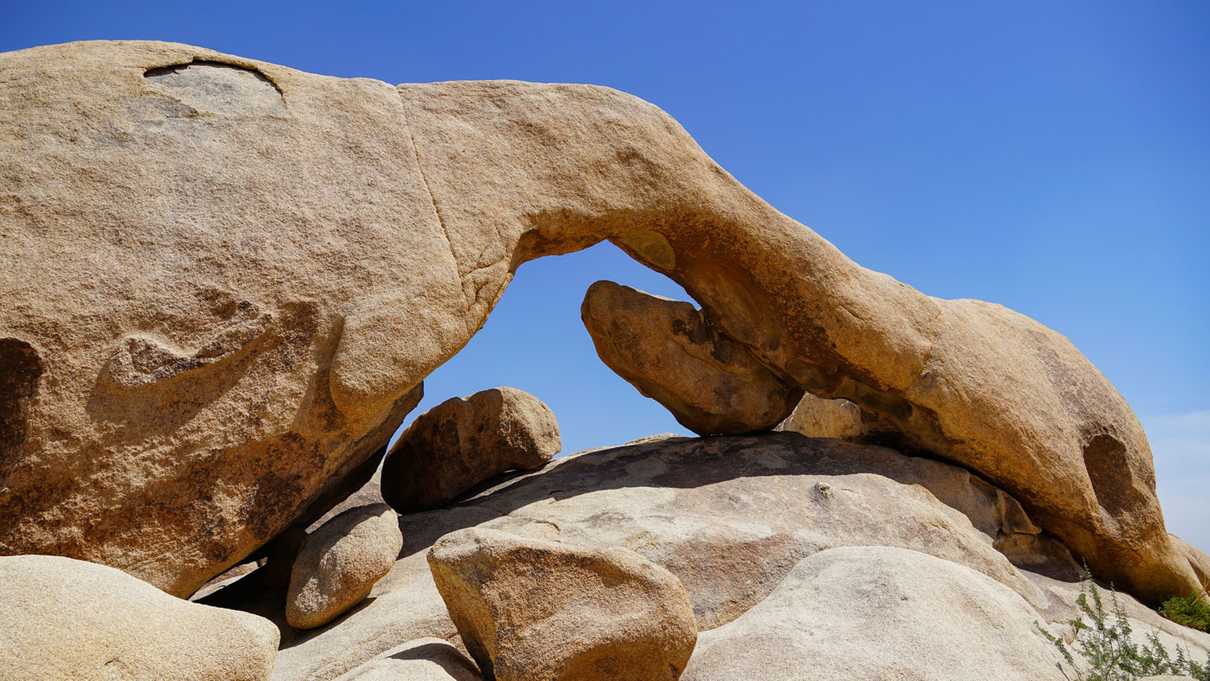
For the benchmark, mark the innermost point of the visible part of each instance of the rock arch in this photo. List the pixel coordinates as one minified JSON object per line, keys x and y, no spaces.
{"x":396,"y":217}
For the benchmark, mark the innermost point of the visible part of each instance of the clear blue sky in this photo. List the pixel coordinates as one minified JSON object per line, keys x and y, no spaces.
{"x":1053,"y":157}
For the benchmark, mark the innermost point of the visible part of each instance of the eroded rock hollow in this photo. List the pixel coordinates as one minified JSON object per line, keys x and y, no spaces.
{"x":223,"y":280}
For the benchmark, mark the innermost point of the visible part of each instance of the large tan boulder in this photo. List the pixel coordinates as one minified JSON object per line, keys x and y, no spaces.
{"x":181,"y":394}
{"x":339,"y":564}
{"x":531,"y":610}
{"x":227,"y":271}
{"x":674,"y":355}
{"x":870,"y":613}
{"x":464,"y":442}
{"x":69,"y":620}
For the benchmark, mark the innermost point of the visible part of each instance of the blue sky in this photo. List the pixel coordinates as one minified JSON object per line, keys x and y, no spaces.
{"x":1053,"y":157}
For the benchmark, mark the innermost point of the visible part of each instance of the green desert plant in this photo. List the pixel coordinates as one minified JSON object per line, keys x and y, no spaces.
{"x":1191,"y":611}
{"x":1103,"y":641}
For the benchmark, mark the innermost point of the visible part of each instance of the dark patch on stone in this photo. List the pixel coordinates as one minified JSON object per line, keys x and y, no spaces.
{"x":20,"y":372}
{"x":1106,"y":461}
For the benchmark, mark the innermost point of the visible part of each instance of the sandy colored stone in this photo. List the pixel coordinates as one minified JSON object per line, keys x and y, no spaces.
{"x":1059,"y":608}
{"x":817,"y":417}
{"x":339,"y":564}
{"x":532,"y":610}
{"x":672,"y":353}
{"x":214,"y":300}
{"x":463,"y":442}
{"x":870,"y":613}
{"x":426,"y":659}
{"x":70,"y":620}
{"x":1198,"y":560}
{"x":729,"y":516}
{"x":181,"y":397}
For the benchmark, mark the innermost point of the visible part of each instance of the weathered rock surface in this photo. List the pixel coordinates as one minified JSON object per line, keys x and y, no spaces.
{"x":70,"y":620}
{"x":729,"y":516}
{"x":1198,"y":560}
{"x":462,"y":443}
{"x":339,"y":564}
{"x":426,"y":659}
{"x":816,"y":417}
{"x":190,"y":297}
{"x":935,"y":621}
{"x":532,"y":610}
{"x":673,"y":354}
{"x":1060,"y":608}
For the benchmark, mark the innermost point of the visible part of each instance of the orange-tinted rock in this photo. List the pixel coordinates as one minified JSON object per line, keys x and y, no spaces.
{"x":463,"y":442}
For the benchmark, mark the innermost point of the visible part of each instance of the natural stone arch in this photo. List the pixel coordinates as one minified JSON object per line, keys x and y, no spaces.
{"x":368,"y":230}
{"x":550,"y":169}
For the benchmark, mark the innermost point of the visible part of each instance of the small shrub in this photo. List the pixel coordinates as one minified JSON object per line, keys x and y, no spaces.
{"x":1191,"y":611}
{"x":1103,"y":641}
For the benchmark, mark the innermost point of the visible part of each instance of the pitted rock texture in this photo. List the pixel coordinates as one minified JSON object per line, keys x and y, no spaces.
{"x":339,"y":564}
{"x":532,"y":610}
{"x":674,"y":355}
{"x":244,"y":297}
{"x":463,"y":442}
{"x":70,"y":620}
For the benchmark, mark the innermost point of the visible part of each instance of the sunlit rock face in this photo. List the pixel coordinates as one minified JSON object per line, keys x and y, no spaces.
{"x":223,"y":277}
{"x":673,"y":353}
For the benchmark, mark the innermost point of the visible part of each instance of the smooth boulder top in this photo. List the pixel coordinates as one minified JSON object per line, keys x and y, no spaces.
{"x":533,"y":610}
{"x":673,"y":354}
{"x":463,"y":442}
{"x":339,"y":564}
{"x":934,"y":621}
{"x":70,"y":620}
{"x":223,"y":277}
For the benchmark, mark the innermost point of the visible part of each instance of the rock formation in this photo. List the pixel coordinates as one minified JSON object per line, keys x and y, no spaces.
{"x":674,"y":355}
{"x":816,"y":625}
{"x":531,"y":610}
{"x":729,"y":516}
{"x":222,"y":278}
{"x":70,"y":620}
{"x":339,"y":564}
{"x":461,"y":443}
